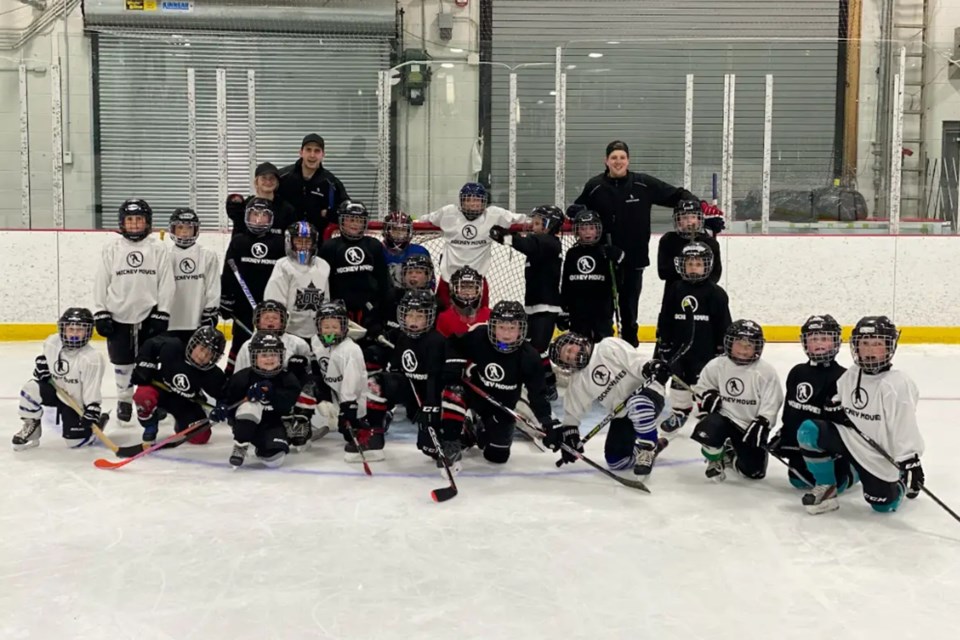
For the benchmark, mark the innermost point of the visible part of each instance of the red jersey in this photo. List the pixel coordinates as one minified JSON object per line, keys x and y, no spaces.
{"x":450,"y":323}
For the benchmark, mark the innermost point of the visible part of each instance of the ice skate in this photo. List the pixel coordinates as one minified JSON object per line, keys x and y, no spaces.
{"x":646,"y":456}
{"x":124,"y":411}
{"x":821,"y":499}
{"x":29,"y":435}
{"x":715,"y":471}
{"x":239,"y":455}
{"x":453,"y":453}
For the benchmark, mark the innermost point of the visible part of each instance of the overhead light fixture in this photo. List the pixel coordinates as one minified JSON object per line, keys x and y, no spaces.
{"x":571,"y":66}
{"x":613,"y":42}
{"x":447,"y":65}
{"x":456,"y":50}
{"x":594,"y":54}
{"x":553,"y":93}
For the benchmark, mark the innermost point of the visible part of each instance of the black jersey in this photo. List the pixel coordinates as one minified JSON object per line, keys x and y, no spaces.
{"x":421,"y":360}
{"x":359,"y":276}
{"x":502,"y":375}
{"x":586,"y":286}
{"x":255,"y":257}
{"x":711,"y":316}
{"x":283,"y":394}
{"x":670,"y":248}
{"x":809,"y":387}
{"x":542,"y":271}
{"x":164,"y":359}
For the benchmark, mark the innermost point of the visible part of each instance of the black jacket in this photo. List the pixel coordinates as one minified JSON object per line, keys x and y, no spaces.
{"x":315,"y":200}
{"x":542,"y":270}
{"x":283,"y":215}
{"x":624,"y":207}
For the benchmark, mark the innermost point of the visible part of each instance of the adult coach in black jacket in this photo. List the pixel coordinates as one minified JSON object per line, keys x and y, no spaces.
{"x":313,"y":191}
{"x":623,"y":199}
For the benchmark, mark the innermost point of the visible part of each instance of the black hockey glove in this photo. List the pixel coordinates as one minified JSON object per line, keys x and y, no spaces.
{"x":568,"y":435}
{"x":911,"y":475}
{"x":91,"y":415}
{"x":260,"y":391}
{"x":573,"y":210}
{"x":834,"y":412}
{"x":41,"y":371}
{"x":612,"y":253}
{"x":498,"y":233}
{"x":226,"y":307}
{"x":209,"y":317}
{"x":219,"y":413}
{"x":156,"y":323}
{"x":657,"y":370}
{"x":712,"y":218}
{"x":234,"y":206}
{"x":298,"y":366}
{"x":757,"y":433}
{"x":709,"y":401}
{"x":347,"y":417}
{"x":103,"y":321}
{"x":429,"y":417}
{"x":563,"y":321}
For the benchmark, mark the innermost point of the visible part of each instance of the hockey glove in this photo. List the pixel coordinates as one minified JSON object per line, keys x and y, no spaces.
{"x":834,"y":412}
{"x":656,"y":370}
{"x":568,"y":435}
{"x":573,"y":210}
{"x":235,"y":208}
{"x":563,"y":321}
{"x":498,"y":233}
{"x":709,"y":401}
{"x":298,"y":366}
{"x":712,"y":217}
{"x":453,"y":372}
{"x":260,"y":391}
{"x":429,"y":417}
{"x":347,"y":417}
{"x":209,"y":317}
{"x":156,"y":323}
{"x":91,"y":415}
{"x":103,"y":321}
{"x":757,"y":433}
{"x":41,"y":371}
{"x":219,"y":413}
{"x":612,"y":253}
{"x":226,"y":307}
{"x":911,"y":475}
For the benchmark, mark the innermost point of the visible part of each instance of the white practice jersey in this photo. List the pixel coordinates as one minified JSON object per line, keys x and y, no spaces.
{"x":78,"y":371}
{"x":196,"y":276}
{"x":293,"y":346}
{"x":746,"y":391}
{"x":884,"y":407}
{"x":133,"y":277}
{"x":344,"y":371}
{"x":467,"y":243}
{"x":302,"y":289}
{"x":610,"y":377}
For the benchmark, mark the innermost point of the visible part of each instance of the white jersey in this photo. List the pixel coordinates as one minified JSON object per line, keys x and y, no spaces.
{"x":746,"y":391}
{"x":884,"y":408}
{"x":133,"y":277}
{"x":467,"y":243}
{"x":293,"y":346}
{"x":302,"y":289}
{"x":196,"y":277}
{"x":79,"y":372}
{"x":344,"y":371}
{"x":610,"y":377}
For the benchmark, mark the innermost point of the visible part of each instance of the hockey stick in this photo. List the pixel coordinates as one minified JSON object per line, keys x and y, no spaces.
{"x":633,"y":484}
{"x":443,"y":493}
{"x":623,"y":405}
{"x":876,"y":447}
{"x":97,"y":428}
{"x":356,"y":443}
{"x":616,"y":293}
{"x":243,"y":285}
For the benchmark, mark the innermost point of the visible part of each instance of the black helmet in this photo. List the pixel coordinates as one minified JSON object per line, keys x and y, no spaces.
{"x":75,"y":317}
{"x":686,"y":208}
{"x":584,"y":219}
{"x":263,"y":206}
{"x":352,"y":209}
{"x":582,"y":356}
{"x":210,"y":339}
{"x":394,"y":222}
{"x":473,"y":193}
{"x":417,"y":262}
{"x":270,"y":306}
{"x":135,"y":207}
{"x":874,"y":327}
{"x":552,"y":217}
{"x":463,"y":277}
{"x":821,"y":325}
{"x":337,"y":310}
{"x":188,"y":217}
{"x":507,"y":311}
{"x":266,"y":343}
{"x":417,"y":300}
{"x":744,"y":330}
{"x":695,"y":251}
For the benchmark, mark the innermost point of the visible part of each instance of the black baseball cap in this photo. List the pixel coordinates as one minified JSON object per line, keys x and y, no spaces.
{"x":266,"y":168}
{"x":314,"y":138}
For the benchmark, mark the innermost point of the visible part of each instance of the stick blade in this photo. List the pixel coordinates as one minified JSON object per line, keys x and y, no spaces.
{"x":366,"y":468}
{"x":103,"y":463}
{"x":443,"y":494}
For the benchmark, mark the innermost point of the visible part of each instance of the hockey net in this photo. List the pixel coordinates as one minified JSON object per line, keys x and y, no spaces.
{"x":505,"y":278}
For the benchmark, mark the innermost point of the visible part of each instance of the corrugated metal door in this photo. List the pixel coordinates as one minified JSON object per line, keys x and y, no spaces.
{"x":626,"y":63}
{"x":324,"y":84}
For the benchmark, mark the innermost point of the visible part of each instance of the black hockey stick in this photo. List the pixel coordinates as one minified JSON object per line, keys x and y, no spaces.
{"x":633,"y":484}
{"x":443,"y":493}
{"x":876,"y":447}
{"x":623,"y":405}
{"x":616,"y":293}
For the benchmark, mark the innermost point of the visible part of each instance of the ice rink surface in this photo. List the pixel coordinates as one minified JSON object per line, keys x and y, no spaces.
{"x":177,"y":545}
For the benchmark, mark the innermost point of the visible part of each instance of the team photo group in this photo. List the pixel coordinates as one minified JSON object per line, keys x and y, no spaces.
{"x":336,"y":327}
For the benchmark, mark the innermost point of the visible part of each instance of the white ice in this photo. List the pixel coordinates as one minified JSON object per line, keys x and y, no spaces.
{"x":176,"y":545}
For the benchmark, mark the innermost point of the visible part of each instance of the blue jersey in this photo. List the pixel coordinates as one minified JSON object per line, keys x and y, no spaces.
{"x":396,"y":259}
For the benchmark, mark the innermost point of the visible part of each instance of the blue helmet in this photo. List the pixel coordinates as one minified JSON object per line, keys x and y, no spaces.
{"x":297,"y":231}
{"x":473,"y":200}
